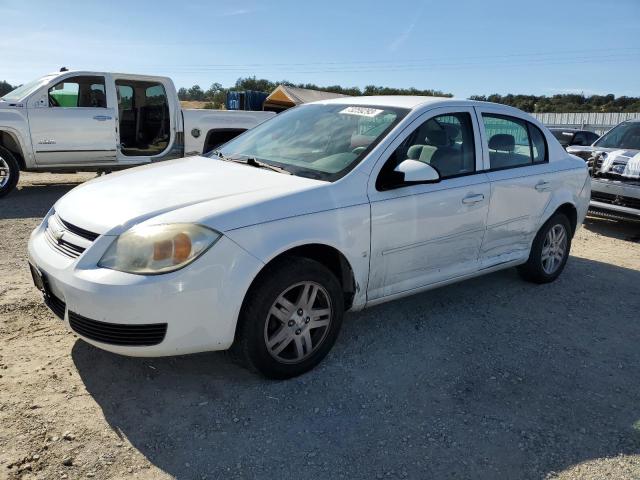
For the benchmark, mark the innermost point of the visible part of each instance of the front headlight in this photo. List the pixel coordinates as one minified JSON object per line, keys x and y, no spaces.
{"x":158,"y":248}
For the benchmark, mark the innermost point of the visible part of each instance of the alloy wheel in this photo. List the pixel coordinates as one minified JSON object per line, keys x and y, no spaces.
{"x":5,"y":173}
{"x":298,"y":322}
{"x":554,"y":249}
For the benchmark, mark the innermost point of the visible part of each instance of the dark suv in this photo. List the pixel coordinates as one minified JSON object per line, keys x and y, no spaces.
{"x":573,"y":136}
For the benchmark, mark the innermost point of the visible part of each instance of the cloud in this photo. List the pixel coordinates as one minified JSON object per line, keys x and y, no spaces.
{"x":577,"y":91}
{"x":238,"y":12}
{"x":403,"y":37}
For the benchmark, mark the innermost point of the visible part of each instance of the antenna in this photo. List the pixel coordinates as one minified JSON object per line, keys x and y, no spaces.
{"x":64,"y":69}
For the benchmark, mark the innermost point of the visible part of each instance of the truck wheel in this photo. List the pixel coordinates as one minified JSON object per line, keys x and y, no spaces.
{"x":549,"y":252}
{"x":290,"y":319}
{"x":9,"y":172}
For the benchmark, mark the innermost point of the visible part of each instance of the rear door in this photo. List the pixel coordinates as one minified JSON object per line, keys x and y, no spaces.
{"x":76,"y":124}
{"x":422,"y":234}
{"x":522,"y":182}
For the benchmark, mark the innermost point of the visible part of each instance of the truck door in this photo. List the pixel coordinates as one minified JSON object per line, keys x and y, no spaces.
{"x":76,"y":123}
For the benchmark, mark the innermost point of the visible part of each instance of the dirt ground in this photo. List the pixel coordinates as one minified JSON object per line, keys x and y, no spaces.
{"x":490,"y":378}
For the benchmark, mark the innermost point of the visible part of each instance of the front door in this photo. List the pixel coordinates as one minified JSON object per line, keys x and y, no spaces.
{"x":76,"y":126}
{"x":423,"y":234}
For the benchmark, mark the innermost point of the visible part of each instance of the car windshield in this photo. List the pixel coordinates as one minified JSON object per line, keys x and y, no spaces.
{"x":316,"y":141}
{"x":26,"y":89}
{"x":625,"y":135}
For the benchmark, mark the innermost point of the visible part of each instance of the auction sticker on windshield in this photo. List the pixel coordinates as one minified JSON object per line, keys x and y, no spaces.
{"x":362,"y":111}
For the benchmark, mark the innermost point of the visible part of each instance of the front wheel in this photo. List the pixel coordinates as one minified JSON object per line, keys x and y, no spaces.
{"x":549,"y":252}
{"x":9,"y":172}
{"x":290,"y":319}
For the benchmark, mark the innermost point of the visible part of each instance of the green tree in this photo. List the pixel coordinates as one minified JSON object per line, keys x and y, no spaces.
{"x":5,"y":88}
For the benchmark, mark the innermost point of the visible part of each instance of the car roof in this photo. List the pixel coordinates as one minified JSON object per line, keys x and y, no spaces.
{"x":398,"y":101}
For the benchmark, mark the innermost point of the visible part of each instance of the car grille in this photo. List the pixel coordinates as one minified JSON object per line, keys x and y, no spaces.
{"x":615,"y":199}
{"x":66,"y":238}
{"x":118,"y":333}
{"x":56,"y":305}
{"x":81,"y":232}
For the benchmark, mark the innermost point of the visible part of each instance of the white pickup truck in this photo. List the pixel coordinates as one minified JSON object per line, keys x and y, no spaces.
{"x":95,"y":121}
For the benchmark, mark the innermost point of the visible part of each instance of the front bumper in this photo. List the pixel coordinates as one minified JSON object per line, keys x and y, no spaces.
{"x":621,"y":197}
{"x":199,"y":304}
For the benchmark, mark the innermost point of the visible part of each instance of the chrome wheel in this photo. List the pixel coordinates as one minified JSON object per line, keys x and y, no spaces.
{"x":298,"y":322}
{"x":5,"y":174}
{"x":554,"y":249}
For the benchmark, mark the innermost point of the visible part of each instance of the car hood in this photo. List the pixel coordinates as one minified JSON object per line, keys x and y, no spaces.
{"x":193,"y":189}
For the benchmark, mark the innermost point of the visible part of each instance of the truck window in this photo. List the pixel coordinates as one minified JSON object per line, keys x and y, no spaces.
{"x":145,"y":126}
{"x":82,"y":91}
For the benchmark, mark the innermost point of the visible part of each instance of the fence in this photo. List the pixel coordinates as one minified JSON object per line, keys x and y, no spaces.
{"x":594,"y":121}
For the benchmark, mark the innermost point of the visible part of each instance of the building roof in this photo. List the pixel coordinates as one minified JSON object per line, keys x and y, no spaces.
{"x":285,"y":94}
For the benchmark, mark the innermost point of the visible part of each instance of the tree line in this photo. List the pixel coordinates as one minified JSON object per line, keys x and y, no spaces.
{"x":5,"y":87}
{"x":568,"y":102}
{"x":216,"y":94}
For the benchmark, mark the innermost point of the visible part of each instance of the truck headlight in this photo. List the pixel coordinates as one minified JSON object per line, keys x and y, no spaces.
{"x":155,"y":249}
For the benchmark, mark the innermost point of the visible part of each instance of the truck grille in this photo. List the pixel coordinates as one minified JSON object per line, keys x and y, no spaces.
{"x":118,"y":333}
{"x":66,"y":238}
{"x":615,"y":199}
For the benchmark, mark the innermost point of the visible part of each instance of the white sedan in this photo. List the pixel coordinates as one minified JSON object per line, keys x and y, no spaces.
{"x":329,"y":207}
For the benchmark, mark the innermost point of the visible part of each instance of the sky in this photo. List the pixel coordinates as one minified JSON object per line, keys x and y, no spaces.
{"x":540,"y":47}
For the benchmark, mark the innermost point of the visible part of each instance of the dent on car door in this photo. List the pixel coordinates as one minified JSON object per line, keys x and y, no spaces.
{"x":521,"y":185}
{"x":425,"y":233}
{"x":75,"y":123}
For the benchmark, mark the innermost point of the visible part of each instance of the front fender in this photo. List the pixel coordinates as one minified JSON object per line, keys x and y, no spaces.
{"x":346,"y":230}
{"x":14,"y":123}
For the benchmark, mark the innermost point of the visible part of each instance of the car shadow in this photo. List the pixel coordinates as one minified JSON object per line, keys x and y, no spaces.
{"x":490,"y":378}
{"x":33,"y":200}
{"x":621,"y":229}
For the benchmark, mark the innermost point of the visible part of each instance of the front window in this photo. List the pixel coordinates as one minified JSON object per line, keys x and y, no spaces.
{"x":26,"y":89}
{"x":76,"y":92}
{"x":625,"y":135}
{"x":316,"y":141}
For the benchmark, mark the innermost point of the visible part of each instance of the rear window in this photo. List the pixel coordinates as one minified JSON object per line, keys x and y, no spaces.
{"x":513,"y":142}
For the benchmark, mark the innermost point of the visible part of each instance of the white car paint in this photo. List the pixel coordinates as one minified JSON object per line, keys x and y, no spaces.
{"x":59,"y":138}
{"x":397,"y":242}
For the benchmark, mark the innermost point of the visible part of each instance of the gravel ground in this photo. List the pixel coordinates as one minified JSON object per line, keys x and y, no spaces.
{"x":490,"y":378}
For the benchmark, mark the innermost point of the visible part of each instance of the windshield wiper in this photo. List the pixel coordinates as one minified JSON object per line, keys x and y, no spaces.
{"x":220,"y":155}
{"x":254,"y":162}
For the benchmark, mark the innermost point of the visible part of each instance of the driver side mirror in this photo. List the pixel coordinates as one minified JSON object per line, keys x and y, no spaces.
{"x":413,"y":171}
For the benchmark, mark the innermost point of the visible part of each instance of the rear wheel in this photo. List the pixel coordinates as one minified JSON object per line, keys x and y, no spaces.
{"x":9,"y":172}
{"x":290,"y":319}
{"x":549,"y":252}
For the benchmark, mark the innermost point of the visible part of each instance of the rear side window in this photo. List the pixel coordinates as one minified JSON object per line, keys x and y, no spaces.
{"x":513,"y":142}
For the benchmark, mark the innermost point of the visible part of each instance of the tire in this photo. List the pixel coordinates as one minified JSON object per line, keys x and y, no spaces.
{"x":542,"y":267}
{"x":277,"y":346}
{"x":9,"y":172}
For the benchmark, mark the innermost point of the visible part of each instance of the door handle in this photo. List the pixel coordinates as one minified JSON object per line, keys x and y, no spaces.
{"x":543,"y":186}
{"x":471,"y":199}
{"x":102,"y":118}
